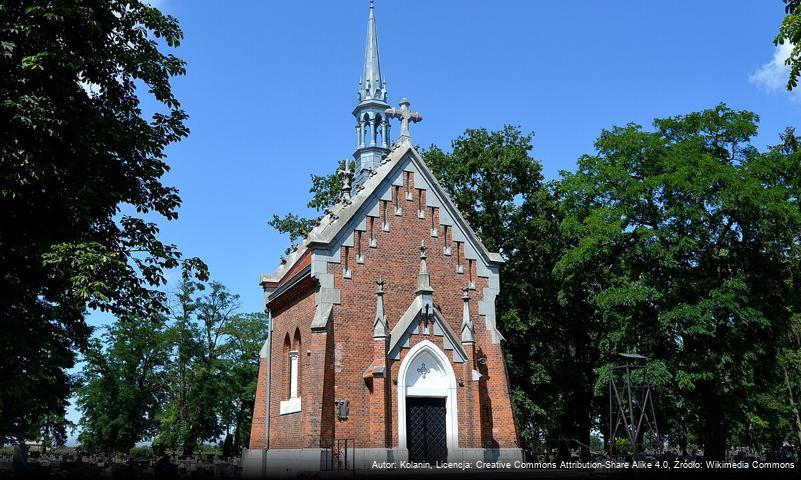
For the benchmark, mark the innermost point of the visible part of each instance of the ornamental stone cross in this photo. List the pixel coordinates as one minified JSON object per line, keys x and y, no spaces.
{"x":423,"y":370}
{"x":405,"y":115}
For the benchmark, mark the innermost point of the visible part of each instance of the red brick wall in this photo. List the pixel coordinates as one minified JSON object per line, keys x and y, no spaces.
{"x":293,"y":311}
{"x":397,"y":260}
{"x":335,"y":367}
{"x":257,"y":434}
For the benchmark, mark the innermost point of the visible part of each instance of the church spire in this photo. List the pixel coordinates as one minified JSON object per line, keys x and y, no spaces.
{"x":372,"y":85}
{"x":372,"y":124}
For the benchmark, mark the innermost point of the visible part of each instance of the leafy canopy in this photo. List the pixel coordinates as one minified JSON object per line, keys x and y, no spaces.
{"x":178,"y":380}
{"x":499,"y":188}
{"x":325,"y":190}
{"x":790,"y":32}
{"x":214,"y":362}
{"x":123,"y":383}
{"x":685,"y":241}
{"x":75,"y":148}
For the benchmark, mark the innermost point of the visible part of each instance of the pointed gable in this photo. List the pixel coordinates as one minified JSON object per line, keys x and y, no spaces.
{"x":336,"y":228}
{"x":378,"y":187}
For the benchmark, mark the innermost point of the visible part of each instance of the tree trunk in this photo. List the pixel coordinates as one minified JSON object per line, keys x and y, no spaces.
{"x":714,"y":436}
{"x":237,"y":431}
{"x":584,"y":422}
{"x":793,"y":405}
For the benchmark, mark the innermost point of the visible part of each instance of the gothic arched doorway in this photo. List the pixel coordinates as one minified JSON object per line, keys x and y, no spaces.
{"x":427,"y":414}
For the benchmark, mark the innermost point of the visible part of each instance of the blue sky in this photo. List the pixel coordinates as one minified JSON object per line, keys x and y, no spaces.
{"x":270,"y":87}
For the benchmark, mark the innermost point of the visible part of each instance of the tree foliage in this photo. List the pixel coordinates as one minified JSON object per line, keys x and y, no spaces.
{"x":245,"y":334}
{"x":790,"y":32}
{"x":685,"y":241}
{"x":499,"y":188}
{"x":178,"y":381}
{"x":325,"y":191}
{"x":214,"y":353}
{"x":123,"y":382}
{"x":74,"y":148}
{"x":680,"y":243}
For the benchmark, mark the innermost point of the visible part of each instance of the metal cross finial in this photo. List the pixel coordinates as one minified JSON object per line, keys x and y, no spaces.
{"x":405,"y":115}
{"x":371,"y":3}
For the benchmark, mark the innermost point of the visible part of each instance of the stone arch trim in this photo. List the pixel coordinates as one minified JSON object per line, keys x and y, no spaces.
{"x":449,"y":391}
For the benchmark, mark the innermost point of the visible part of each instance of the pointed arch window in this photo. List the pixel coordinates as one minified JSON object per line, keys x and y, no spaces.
{"x":292,"y":371}
{"x":286,"y":374}
{"x":366,"y":130}
{"x":378,"y":126}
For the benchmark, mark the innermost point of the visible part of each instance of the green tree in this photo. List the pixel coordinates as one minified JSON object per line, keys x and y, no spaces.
{"x":178,"y":419}
{"x":75,"y":148}
{"x":245,"y":335}
{"x":499,"y":188}
{"x":213,"y":352}
{"x":790,"y":354}
{"x":685,"y":240}
{"x":51,"y":431}
{"x":790,"y":32}
{"x":122,"y":385}
{"x":325,"y":191}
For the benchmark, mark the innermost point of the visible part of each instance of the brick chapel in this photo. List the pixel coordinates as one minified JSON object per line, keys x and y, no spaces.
{"x":383,"y":324}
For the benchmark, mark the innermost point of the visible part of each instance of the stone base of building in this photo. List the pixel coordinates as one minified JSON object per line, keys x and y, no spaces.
{"x":292,"y":462}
